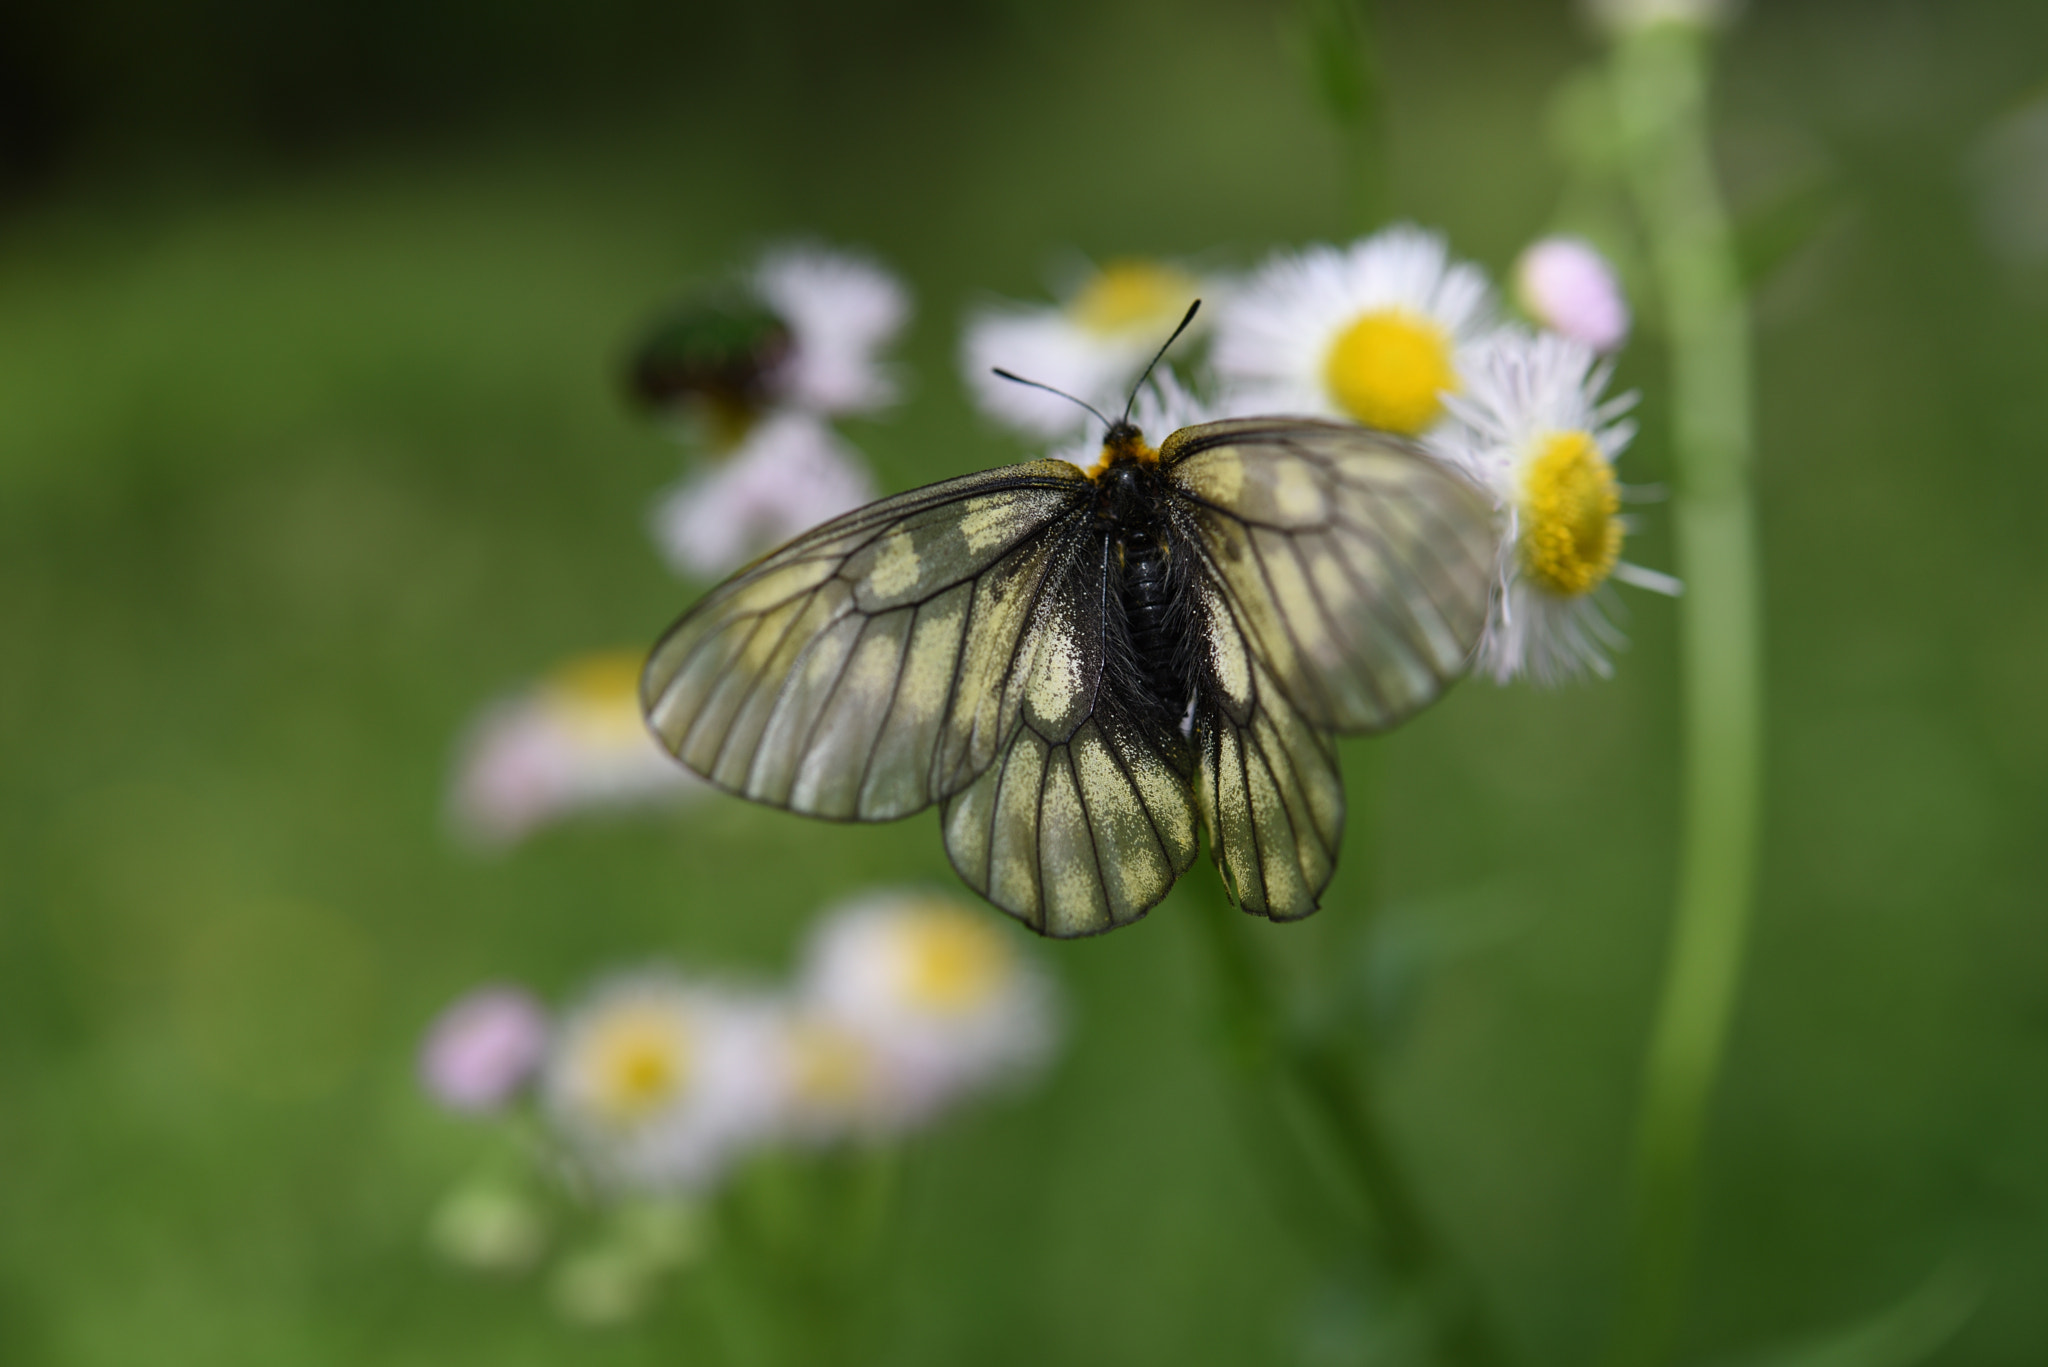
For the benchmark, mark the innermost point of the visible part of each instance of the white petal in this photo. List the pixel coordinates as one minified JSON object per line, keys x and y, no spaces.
{"x":790,"y":474}
{"x":842,"y":310}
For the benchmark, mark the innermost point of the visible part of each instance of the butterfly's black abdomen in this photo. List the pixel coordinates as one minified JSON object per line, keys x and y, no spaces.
{"x":1149,"y":612}
{"x":1156,"y":655}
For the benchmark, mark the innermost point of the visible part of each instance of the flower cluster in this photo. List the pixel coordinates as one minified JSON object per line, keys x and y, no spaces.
{"x":651,"y":1086}
{"x":905,"y":1004}
{"x":751,"y":372}
{"x":1392,"y":333}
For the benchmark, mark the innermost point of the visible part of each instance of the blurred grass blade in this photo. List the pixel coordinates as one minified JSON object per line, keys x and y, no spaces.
{"x":1905,"y":1334}
{"x":1334,"y":41}
{"x":1334,"y":44}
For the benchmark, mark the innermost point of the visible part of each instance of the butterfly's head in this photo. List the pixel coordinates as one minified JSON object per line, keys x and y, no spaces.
{"x":1123,"y":445}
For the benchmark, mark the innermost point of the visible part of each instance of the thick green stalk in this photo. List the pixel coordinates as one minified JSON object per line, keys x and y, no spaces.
{"x":1660,"y":78}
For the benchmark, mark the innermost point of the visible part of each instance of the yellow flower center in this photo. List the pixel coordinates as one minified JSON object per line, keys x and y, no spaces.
{"x":638,"y":1061}
{"x":1571,"y":534}
{"x":1388,"y":370}
{"x":1133,"y":296}
{"x":952,"y":962}
{"x":598,"y":697}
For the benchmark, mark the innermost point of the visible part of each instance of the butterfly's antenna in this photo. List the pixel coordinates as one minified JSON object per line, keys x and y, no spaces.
{"x":1158,"y":356}
{"x":1019,"y":379}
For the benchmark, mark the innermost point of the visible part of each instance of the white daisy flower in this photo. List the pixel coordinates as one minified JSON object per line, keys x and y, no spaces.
{"x":916,"y":999}
{"x":1532,"y":429}
{"x":790,"y":474}
{"x":842,"y":309}
{"x":657,"y":1083}
{"x":1566,"y":285}
{"x":574,"y":742}
{"x":1092,"y":344}
{"x":1375,"y":332}
{"x":482,"y":1048}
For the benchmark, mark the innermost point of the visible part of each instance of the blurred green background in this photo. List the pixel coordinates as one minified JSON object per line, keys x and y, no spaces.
{"x":310,"y":442}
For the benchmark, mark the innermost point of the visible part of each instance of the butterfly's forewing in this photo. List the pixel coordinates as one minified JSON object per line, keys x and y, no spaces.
{"x":1083,"y":822}
{"x":1344,"y":582}
{"x":868,"y":668}
{"x":1358,"y":568}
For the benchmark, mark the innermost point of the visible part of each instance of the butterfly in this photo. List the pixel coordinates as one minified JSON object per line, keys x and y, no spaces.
{"x":1080,"y":667}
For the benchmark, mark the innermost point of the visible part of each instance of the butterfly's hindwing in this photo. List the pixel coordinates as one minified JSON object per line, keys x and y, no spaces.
{"x":1083,"y":822}
{"x":864,"y":670}
{"x":1359,"y":568}
{"x":1267,"y":783}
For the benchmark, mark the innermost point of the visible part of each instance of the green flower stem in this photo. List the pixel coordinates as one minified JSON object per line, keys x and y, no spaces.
{"x":1334,"y":1091}
{"x":1660,"y":77}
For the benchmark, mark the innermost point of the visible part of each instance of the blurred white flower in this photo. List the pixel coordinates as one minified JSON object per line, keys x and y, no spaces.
{"x":1566,"y":285}
{"x":1375,"y":332}
{"x":1092,"y":344}
{"x":842,"y":310}
{"x":574,"y":742}
{"x":656,"y":1082}
{"x":1622,"y":16}
{"x":911,"y":999}
{"x":790,"y":474}
{"x":483,"y":1047}
{"x":831,"y":1081}
{"x":1531,"y":428}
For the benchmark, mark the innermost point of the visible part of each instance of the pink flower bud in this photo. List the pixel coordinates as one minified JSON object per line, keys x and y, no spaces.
{"x":1568,"y":287}
{"x":482,"y":1048}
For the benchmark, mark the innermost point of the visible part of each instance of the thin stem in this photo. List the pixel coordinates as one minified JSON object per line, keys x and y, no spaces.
{"x":1335,"y":1092}
{"x":1660,"y":75}
{"x":1340,"y":48}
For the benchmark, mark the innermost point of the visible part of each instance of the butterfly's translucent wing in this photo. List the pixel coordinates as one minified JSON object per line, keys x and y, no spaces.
{"x":1344,"y":583}
{"x":1358,"y":569}
{"x":1085,"y":819}
{"x":871,"y":666}
{"x":1267,"y":784}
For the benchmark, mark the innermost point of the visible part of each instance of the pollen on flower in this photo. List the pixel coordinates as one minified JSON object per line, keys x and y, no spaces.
{"x":951,"y":962}
{"x":1132,"y":295}
{"x":638,"y":1062}
{"x":1389,"y":369}
{"x":1571,"y":535}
